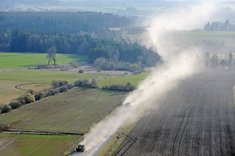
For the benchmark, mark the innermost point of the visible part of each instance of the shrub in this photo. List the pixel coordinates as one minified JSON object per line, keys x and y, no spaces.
{"x":4,"y":127}
{"x":69,"y":86}
{"x":104,"y":64}
{"x":81,"y":71}
{"x":31,"y":91}
{"x":51,"y":92}
{"x":56,"y":84}
{"x":29,"y":98}
{"x":6,"y":108}
{"x":86,"y":83}
{"x":15,"y":104}
{"x":118,"y":87}
{"x":41,"y":66}
{"x":63,"y":89}
{"x":80,"y":83}
{"x":39,"y":96}
{"x":21,"y":100}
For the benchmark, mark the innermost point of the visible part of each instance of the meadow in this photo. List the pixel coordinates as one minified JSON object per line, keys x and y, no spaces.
{"x":35,"y":145}
{"x":76,"y":110}
{"x":73,"y":111}
{"x":14,"y":60}
{"x":33,"y":79}
{"x":133,"y":79}
{"x":224,"y":38}
{"x":40,"y":79}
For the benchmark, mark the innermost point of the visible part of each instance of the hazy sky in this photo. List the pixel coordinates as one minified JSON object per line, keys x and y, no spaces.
{"x":226,"y":8}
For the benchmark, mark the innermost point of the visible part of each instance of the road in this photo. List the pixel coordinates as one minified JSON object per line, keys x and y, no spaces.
{"x":197,"y":118}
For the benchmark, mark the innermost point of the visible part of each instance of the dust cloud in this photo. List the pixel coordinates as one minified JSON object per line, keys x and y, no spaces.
{"x":180,"y":62}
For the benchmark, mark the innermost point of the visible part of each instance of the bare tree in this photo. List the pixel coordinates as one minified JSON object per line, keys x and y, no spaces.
{"x":230,"y":59}
{"x":51,"y":55}
{"x":207,"y":59}
{"x":214,"y":61}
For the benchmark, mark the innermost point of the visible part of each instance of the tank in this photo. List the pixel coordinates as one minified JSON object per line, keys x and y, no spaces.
{"x":80,"y":148}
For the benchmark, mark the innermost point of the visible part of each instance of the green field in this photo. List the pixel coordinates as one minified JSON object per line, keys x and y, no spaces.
{"x":212,"y":34}
{"x":134,"y":79}
{"x":73,"y":111}
{"x":38,"y":80}
{"x":33,"y":79}
{"x":39,"y":76}
{"x":13,"y":60}
{"x":225,"y":38}
{"x":35,"y":145}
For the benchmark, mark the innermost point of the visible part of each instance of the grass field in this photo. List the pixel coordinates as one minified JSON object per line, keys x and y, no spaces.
{"x":38,"y":80}
{"x":212,"y":34}
{"x":224,"y":38}
{"x":39,"y":76}
{"x":8,"y":91}
{"x":13,"y":60}
{"x":35,"y":145}
{"x":134,"y":79}
{"x":227,"y":38}
{"x":33,"y":79}
{"x":74,"y":111}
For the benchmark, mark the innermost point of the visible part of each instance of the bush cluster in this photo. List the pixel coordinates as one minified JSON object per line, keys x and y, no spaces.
{"x":59,"y":89}
{"x":86,"y":83}
{"x":5,"y":109}
{"x":4,"y":127}
{"x":81,"y":71}
{"x":26,"y":98}
{"x":14,"y":104}
{"x":104,"y":64}
{"x":119,"y":87}
{"x":30,"y":96}
{"x":39,"y":95}
{"x":57,"y":84}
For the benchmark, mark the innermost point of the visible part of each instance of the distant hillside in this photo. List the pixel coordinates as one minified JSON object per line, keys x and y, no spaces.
{"x":121,"y":7}
{"x":64,"y":22}
{"x":28,"y":1}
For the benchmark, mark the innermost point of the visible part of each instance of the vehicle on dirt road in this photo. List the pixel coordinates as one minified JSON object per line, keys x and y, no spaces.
{"x":80,"y":148}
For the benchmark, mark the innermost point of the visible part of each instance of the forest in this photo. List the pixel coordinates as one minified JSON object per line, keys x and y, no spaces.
{"x":64,"y":22}
{"x":93,"y":48}
{"x":219,"y":26}
{"x":82,"y":33}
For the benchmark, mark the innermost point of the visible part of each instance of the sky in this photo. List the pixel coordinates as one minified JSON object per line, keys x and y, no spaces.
{"x":121,"y":7}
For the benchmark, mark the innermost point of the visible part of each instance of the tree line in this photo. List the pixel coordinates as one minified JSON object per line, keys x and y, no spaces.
{"x":214,"y":61}
{"x":58,"y":87}
{"x":219,"y":26}
{"x":93,"y":48}
{"x":64,"y":22}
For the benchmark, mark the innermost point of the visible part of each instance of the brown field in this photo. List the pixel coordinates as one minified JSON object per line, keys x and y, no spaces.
{"x":197,"y":118}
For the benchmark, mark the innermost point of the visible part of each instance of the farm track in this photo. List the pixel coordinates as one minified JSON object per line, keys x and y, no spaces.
{"x":20,"y":86}
{"x":196,"y":119}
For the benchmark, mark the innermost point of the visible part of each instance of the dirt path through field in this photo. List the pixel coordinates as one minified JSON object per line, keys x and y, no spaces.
{"x":196,"y":119}
{"x":4,"y":142}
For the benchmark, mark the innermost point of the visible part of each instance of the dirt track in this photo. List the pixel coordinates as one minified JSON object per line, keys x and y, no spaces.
{"x":196,"y":119}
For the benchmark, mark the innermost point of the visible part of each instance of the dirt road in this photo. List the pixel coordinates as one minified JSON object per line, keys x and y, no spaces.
{"x":195,"y":119}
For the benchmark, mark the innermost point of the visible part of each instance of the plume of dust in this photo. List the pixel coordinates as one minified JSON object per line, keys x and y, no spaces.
{"x":180,"y":63}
